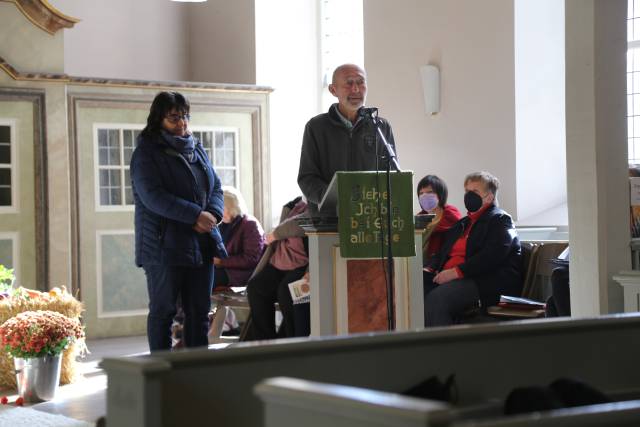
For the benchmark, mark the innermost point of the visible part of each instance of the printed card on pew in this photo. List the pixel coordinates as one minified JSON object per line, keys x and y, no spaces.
{"x":300,"y":291}
{"x":517,"y":302}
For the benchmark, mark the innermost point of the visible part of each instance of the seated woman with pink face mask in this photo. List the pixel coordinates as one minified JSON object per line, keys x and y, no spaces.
{"x":432,"y":196}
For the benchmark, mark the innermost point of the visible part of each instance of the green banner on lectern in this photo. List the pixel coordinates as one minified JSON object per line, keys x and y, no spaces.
{"x":362,"y":214}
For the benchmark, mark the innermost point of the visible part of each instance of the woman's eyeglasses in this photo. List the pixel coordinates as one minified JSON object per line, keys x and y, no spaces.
{"x":175,"y":118}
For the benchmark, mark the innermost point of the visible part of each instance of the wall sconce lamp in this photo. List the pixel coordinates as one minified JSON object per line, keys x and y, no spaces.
{"x":430,"y":75}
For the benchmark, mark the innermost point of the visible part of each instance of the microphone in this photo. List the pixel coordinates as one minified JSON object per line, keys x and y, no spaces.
{"x":367,"y":112}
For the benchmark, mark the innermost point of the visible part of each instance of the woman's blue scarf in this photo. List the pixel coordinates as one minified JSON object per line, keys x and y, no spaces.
{"x":185,"y":145}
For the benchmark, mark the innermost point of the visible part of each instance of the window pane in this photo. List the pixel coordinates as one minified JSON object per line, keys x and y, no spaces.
{"x":104,"y":178}
{"x":115,"y":148}
{"x":114,"y":156}
{"x":5,"y":177}
{"x":114,"y":178}
{"x":127,"y":138}
{"x":229,"y":139}
{"x":636,"y":105}
{"x":227,"y":177}
{"x":116,"y":196}
{"x":102,"y":137}
{"x":207,"y":140}
{"x":636,"y":149}
{"x":114,"y":138}
{"x":6,"y":253}
{"x":104,"y":197}
{"x":5,"y":134}
{"x":5,"y":196}
{"x":636,"y":125}
{"x":103,"y":156}
{"x":5,"y":153}
{"x":127,"y":155}
{"x":229,"y":158}
{"x":636,"y":8}
{"x":128,"y":194}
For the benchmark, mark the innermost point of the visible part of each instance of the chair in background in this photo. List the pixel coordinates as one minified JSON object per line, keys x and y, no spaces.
{"x":540,"y":286}
{"x":537,"y":279}
{"x":476,"y":314}
{"x":223,"y":299}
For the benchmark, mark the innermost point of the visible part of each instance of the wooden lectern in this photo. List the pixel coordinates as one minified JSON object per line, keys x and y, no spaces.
{"x":346,"y":256}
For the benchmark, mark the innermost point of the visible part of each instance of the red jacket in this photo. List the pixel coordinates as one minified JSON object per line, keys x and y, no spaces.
{"x":450,"y":216}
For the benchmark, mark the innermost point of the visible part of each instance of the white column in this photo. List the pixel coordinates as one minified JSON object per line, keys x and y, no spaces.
{"x":597,"y":184}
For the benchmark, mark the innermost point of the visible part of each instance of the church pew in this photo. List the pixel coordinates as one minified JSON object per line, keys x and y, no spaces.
{"x":291,"y":402}
{"x":179,"y":388}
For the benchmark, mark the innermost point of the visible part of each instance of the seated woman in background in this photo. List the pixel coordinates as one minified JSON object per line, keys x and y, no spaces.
{"x":285,"y":260}
{"x":480,"y":257}
{"x":432,"y":196}
{"x":243,"y":237}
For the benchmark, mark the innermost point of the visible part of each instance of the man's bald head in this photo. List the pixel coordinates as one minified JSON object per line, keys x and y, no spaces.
{"x":346,"y":68}
{"x":349,"y":85}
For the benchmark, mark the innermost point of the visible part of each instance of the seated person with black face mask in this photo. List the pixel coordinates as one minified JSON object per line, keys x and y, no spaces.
{"x":479,"y":260}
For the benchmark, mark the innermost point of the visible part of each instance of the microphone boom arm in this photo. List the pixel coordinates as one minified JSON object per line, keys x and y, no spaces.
{"x":372,"y":113}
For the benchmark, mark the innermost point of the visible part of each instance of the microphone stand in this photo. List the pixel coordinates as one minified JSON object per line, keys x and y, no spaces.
{"x":372,"y":113}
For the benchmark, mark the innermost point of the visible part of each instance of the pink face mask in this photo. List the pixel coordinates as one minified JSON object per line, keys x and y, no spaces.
{"x":428,"y":201}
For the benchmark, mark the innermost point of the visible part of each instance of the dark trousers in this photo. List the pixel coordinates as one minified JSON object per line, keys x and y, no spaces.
{"x":164,"y":284}
{"x":559,"y":304}
{"x":266,"y":288}
{"x":220,"y":277}
{"x":445,"y":304}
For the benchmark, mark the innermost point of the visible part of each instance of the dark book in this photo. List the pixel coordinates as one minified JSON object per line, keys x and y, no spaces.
{"x":518,"y":302}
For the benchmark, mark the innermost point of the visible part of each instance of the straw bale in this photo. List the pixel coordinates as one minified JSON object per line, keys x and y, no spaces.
{"x":28,"y":300}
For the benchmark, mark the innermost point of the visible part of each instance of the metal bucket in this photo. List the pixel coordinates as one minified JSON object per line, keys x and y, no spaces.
{"x":38,"y":377}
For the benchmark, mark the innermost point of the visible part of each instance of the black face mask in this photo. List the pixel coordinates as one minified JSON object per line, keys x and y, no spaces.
{"x":472,"y":201}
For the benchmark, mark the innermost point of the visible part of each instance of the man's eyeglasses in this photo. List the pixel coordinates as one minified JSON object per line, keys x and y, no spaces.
{"x":175,"y":118}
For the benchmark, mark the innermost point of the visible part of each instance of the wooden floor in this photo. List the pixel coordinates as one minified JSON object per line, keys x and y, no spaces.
{"x":86,"y":399}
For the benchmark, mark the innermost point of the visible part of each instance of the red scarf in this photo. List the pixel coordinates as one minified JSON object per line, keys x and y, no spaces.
{"x":458,"y":252}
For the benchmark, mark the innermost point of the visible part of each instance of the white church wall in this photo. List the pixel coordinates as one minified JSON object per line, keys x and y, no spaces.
{"x":472,"y":44}
{"x":142,"y":39}
{"x":222,"y":41}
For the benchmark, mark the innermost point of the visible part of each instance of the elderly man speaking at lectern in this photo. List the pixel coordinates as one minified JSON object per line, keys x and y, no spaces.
{"x":342,"y":139}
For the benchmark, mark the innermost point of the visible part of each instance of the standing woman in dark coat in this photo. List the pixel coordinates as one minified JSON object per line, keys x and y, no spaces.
{"x":178,"y":203}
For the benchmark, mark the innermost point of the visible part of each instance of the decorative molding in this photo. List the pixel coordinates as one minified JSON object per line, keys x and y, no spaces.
{"x":126,"y":83}
{"x":43,"y":15}
{"x":78,"y":99}
{"x":41,"y":192}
